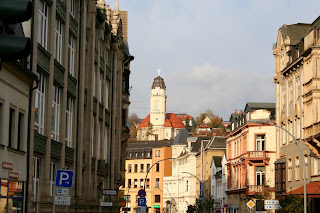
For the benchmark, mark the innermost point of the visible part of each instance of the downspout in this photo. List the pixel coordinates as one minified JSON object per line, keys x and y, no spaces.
{"x":78,"y":111}
{"x":29,"y":117}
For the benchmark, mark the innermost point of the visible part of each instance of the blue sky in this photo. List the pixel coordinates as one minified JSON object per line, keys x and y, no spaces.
{"x":214,"y":54}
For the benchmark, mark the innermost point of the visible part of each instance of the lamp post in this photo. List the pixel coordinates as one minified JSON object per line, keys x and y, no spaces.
{"x":303,"y":163}
{"x":200,"y":188}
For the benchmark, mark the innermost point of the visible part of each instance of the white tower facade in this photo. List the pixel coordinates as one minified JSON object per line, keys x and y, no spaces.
{"x":158,"y":99}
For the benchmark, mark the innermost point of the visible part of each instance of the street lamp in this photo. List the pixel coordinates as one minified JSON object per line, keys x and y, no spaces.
{"x":200,"y":188}
{"x":303,"y":161}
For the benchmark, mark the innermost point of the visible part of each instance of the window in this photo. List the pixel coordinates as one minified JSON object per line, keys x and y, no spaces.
{"x":36,"y":175}
{"x":58,"y":41}
{"x":52,"y":177}
{"x":72,"y":7}
{"x":71,"y":46}
{"x":106,"y":139}
{"x":187,"y":185}
{"x":157,"y":183}
{"x":315,"y":166}
{"x":93,"y":136}
{"x":297,"y":168}
{"x":100,"y":87}
{"x":129,"y":168}
{"x":289,"y":169}
{"x":148,"y":183}
{"x":260,"y":175}
{"x":107,"y":94}
{"x":135,"y":167}
{"x":157,"y":199}
{"x":260,"y":139}
{"x":69,"y":124}
{"x":20,"y":131}
{"x":135,"y":183}
{"x":149,"y":154}
{"x":98,"y":141}
{"x":129,"y":183}
{"x":157,"y":167}
{"x":148,"y":167}
{"x":94,"y":83}
{"x":141,"y":167}
{"x":11,"y":127}
{"x":39,"y":104}
{"x":55,"y":113}
{"x":141,"y":183}
{"x":157,"y":106}
{"x":43,"y":24}
{"x":127,"y":198}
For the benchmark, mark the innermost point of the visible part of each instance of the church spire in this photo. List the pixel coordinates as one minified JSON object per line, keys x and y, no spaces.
{"x":116,"y":9}
{"x":158,"y":72}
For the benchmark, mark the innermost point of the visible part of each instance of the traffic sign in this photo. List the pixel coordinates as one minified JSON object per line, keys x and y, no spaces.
{"x":64,"y":178}
{"x":109,"y":192}
{"x":62,"y":191}
{"x":105,"y":203}
{"x":142,"y":193}
{"x":64,"y":200}
{"x":142,"y":209}
{"x":271,"y":204}
{"x":251,"y":204}
{"x":142,"y":201}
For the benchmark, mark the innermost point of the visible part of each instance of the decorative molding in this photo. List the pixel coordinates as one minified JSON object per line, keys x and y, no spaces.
{"x":108,"y":72}
{"x":72,"y":85}
{"x":93,"y":163}
{"x":58,"y":73}
{"x":43,"y":60}
{"x":61,"y":10}
{"x":95,"y":103}
{"x":69,"y":154}
{"x":40,"y":143}
{"x":56,"y":149}
{"x":107,"y":117}
{"x":73,"y":26}
{"x":96,"y":56}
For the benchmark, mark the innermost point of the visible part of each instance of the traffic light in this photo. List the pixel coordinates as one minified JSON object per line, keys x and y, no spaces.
{"x":13,"y":47}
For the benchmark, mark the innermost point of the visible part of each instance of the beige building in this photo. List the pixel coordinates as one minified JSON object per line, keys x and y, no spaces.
{"x":297,"y":56}
{"x":16,"y":82}
{"x":159,"y":125}
{"x":251,"y":153}
{"x":147,"y":164}
{"x":79,"y":109}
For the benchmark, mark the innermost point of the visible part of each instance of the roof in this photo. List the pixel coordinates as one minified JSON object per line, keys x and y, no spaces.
{"x":181,"y":138}
{"x":148,"y":144}
{"x":202,"y":126}
{"x":313,"y":189}
{"x":218,"y":142}
{"x":171,"y":121}
{"x":197,"y":145}
{"x":251,"y":106}
{"x":217,"y":161}
{"x":158,"y":82}
{"x":183,"y":117}
{"x":295,"y":32}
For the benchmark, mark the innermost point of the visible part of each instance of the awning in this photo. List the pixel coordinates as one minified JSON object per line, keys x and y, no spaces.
{"x":313,"y":190}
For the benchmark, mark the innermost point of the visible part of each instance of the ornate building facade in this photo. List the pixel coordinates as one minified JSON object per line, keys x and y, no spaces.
{"x":79,"y":111}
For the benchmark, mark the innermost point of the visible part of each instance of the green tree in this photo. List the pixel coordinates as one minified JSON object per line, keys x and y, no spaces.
{"x":216,"y":121}
{"x":205,"y":205}
{"x":292,"y":204}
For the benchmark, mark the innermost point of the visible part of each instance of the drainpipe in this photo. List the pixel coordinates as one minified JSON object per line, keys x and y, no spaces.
{"x":78,"y":111}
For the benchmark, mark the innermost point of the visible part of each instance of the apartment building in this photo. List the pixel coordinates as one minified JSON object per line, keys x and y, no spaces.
{"x":297,"y":55}
{"x":251,"y":153}
{"x":147,"y":163}
{"x":79,"y":109}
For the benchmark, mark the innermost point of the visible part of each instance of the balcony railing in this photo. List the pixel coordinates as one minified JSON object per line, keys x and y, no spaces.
{"x":255,"y":189}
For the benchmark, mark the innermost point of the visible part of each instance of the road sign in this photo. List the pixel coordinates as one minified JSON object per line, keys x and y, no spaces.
{"x":142,"y":209}
{"x":251,"y":204}
{"x":63,"y":191}
{"x":142,"y":193}
{"x":109,"y":192}
{"x":142,"y":201}
{"x":105,"y":203}
{"x":64,"y":200}
{"x":271,"y":204}
{"x":64,"y":178}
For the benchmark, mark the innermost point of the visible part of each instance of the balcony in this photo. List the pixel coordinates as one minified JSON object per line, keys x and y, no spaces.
{"x":258,"y":157}
{"x":255,"y":189}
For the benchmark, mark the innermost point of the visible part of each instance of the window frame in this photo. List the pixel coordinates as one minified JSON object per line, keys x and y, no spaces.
{"x":43,"y":24}
{"x":55,"y":106}
{"x":58,"y":39}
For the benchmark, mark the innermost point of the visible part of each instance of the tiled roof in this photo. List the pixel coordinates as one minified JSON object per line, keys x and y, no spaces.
{"x":181,"y":138}
{"x":202,"y":126}
{"x":171,"y":121}
{"x":183,"y":117}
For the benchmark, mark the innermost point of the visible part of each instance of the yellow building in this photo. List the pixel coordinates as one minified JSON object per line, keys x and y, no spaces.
{"x":145,"y":169}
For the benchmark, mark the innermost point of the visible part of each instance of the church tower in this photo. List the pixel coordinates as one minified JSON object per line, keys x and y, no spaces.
{"x":158,"y":99}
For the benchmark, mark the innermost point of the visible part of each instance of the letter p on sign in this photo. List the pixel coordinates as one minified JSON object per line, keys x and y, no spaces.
{"x":64,"y":178}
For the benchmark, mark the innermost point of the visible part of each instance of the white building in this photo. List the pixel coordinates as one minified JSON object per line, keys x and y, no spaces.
{"x":219,"y":180}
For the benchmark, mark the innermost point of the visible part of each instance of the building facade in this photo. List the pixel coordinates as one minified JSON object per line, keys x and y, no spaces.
{"x":296,"y":78}
{"x":219,"y":181}
{"x":251,"y":153}
{"x":79,"y":109}
{"x":16,"y":83}
{"x":159,"y":125}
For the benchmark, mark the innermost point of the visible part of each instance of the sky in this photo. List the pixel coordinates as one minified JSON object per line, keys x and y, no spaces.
{"x":213,"y":54}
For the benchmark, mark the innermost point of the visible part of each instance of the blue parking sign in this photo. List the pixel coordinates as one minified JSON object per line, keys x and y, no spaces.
{"x":64,"y":178}
{"x":142,"y":201}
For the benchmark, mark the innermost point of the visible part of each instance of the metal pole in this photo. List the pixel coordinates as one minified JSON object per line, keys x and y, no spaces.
{"x":303,"y":166}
